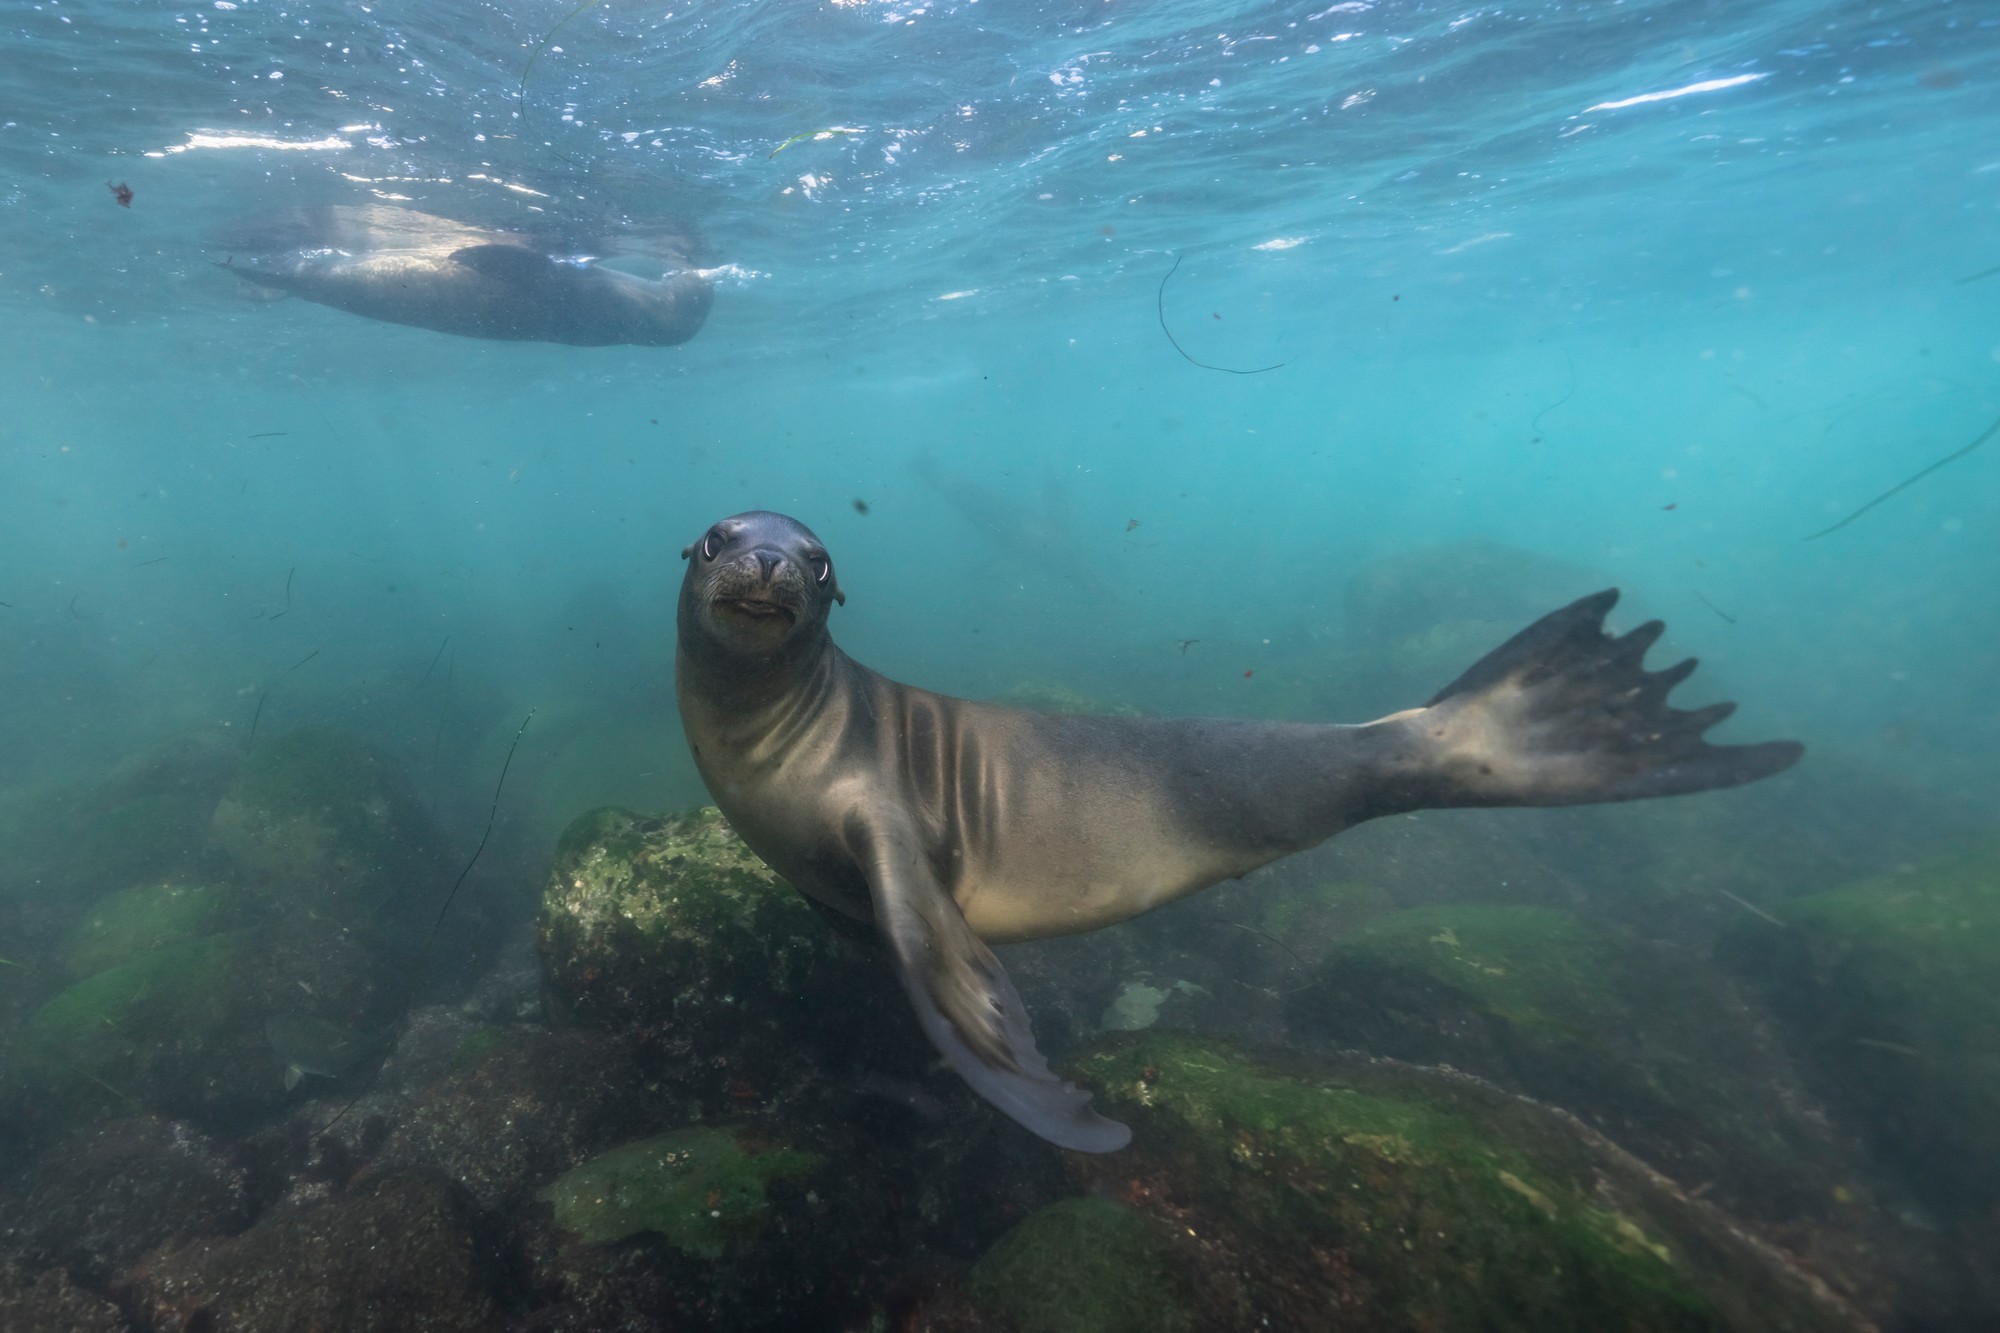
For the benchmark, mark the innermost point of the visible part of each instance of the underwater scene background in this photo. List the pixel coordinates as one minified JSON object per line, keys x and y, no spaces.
{"x":1532,"y":301}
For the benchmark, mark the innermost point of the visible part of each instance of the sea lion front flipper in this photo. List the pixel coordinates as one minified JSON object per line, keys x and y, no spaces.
{"x":967,"y":1006}
{"x":1564,"y":714}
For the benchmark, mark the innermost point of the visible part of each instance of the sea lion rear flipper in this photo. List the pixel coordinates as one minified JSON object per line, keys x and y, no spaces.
{"x":1564,"y":714}
{"x":967,"y":1006}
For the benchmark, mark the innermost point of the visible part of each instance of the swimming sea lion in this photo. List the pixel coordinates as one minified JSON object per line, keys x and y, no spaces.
{"x":407,"y":267}
{"x":949,"y":824}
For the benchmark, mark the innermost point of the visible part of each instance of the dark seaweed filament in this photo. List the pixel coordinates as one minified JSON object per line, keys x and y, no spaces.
{"x":1910,"y":481}
{"x":1160,"y":304}
{"x":430,"y":936}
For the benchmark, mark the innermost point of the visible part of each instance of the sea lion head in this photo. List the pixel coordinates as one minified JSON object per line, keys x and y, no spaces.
{"x":757,"y":584}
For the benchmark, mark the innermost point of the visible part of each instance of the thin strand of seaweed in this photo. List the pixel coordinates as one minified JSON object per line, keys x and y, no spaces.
{"x":430,"y":936}
{"x":1908,"y":482}
{"x":1160,"y":303}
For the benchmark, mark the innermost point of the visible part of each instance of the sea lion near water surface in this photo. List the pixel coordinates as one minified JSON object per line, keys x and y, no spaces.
{"x":950,"y":824}
{"x":406,"y":267}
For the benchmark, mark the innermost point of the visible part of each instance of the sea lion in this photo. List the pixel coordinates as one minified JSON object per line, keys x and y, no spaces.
{"x":406,"y":267}
{"x":949,"y":824}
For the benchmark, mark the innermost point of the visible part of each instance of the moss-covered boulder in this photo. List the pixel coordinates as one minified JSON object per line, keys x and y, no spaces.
{"x":145,"y":818}
{"x":702,"y":1190}
{"x":1893,"y":986}
{"x":673,"y":930}
{"x":1647,"y":1043}
{"x":323,"y":820}
{"x":1086,"y":1265}
{"x":125,"y":925}
{"x":180,"y":1031}
{"x":1371,"y":1195}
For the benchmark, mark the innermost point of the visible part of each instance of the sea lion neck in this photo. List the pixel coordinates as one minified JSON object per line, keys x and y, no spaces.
{"x":743,"y":702}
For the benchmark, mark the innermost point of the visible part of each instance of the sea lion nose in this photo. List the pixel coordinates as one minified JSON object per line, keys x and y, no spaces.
{"x":768,"y":562}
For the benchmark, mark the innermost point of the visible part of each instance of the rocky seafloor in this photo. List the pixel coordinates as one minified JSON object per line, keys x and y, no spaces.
{"x":1426,"y":1080}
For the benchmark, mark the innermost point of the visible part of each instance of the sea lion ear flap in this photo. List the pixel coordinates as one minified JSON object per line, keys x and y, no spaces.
{"x":838,"y":595}
{"x":687,"y":552}
{"x":964,"y":1001}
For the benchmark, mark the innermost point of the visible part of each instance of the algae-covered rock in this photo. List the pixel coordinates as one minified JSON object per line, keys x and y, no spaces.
{"x":1086,"y":1266}
{"x":1370,"y":1195}
{"x":324,"y":821}
{"x":120,"y":928}
{"x":673,"y":929}
{"x":105,"y":1196}
{"x":401,"y":1253}
{"x":700,"y":1189}
{"x":46,"y":1301}
{"x":1894,"y":985}
{"x":147,"y":817}
{"x":180,"y":1031}
{"x":1645,"y":1043}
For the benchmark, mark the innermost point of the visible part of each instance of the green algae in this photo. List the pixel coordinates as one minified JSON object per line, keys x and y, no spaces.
{"x":1084,"y":1266}
{"x":104,"y":1029}
{"x":1438,"y":1216}
{"x":120,"y":928}
{"x":479,"y":1044}
{"x":704,"y":1190}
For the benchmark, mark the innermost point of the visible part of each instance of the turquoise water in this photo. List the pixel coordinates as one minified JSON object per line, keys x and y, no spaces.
{"x":1647,"y":292}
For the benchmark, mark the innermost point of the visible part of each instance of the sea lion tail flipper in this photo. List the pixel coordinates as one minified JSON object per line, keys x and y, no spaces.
{"x":1565,"y":714}
{"x":964,"y":1000}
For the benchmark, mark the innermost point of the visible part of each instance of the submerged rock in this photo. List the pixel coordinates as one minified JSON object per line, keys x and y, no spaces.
{"x":1645,"y":1043}
{"x":98,"y":1201}
{"x":1371,"y":1195}
{"x":1087,"y":1266}
{"x":145,"y":819}
{"x":401,"y":1254}
{"x":1891,"y":984}
{"x":738,"y":992}
{"x":46,"y":1301}
{"x":181,"y":1031}
{"x":323,"y":822}
{"x":518,"y":1106}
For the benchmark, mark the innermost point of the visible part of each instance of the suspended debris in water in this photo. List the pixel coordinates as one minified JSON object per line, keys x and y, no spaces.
{"x":1975,"y":277}
{"x":809,"y":134}
{"x":303,"y":660}
{"x":1536,"y":423}
{"x":860,"y":506}
{"x":1908,"y":482}
{"x":434,"y":662}
{"x":1131,"y":523}
{"x":1160,"y":304}
{"x":1750,"y":907}
{"x":521,"y":93}
{"x":1712,"y":606}
{"x":1187,"y":644}
{"x":121,"y":192}
{"x":269,"y":434}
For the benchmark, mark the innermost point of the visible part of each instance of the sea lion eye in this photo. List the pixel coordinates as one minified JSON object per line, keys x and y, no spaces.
{"x":711,"y":545}
{"x":822,"y":568}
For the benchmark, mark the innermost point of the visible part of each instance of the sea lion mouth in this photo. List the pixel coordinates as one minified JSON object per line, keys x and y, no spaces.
{"x":756,"y":608}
